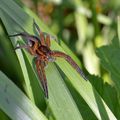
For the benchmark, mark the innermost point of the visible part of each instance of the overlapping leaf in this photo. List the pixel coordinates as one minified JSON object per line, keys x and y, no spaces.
{"x":60,"y":100}
{"x":15,"y":104}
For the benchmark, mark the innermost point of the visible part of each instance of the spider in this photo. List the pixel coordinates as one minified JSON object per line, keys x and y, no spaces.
{"x":39,"y":47}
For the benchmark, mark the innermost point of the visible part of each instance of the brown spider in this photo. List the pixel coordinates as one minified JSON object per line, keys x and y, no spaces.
{"x":39,"y":47}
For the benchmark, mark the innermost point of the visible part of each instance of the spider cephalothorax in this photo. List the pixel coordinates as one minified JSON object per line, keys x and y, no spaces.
{"x":40,"y":48}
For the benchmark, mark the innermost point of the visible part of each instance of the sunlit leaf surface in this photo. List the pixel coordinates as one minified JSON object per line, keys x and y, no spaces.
{"x":60,"y":101}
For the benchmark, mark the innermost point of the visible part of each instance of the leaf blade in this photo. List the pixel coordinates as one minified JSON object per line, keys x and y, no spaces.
{"x":86,"y":90}
{"x":15,"y":104}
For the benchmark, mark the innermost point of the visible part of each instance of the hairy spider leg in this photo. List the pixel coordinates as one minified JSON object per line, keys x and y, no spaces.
{"x":41,"y":75}
{"x":36,"y":26}
{"x":26,"y":46}
{"x":32,"y":49}
{"x":70,"y":61}
{"x":42,"y":40}
{"x":48,"y":41}
{"x":22,"y":46}
{"x":27,"y":36}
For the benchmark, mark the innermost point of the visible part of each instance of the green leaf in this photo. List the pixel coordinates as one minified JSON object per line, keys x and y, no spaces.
{"x":108,"y":93}
{"x":3,"y":116}
{"x":109,"y":57}
{"x":15,"y":104}
{"x":60,"y":101}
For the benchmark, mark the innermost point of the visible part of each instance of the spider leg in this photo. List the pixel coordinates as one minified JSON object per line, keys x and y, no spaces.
{"x":51,"y":36}
{"x":42,"y":40}
{"x":31,"y":51}
{"x":36,"y":26}
{"x":48,"y":41}
{"x":70,"y":61}
{"x":20,"y":47}
{"x":30,"y":39}
{"x":41,"y":75}
{"x":26,"y":36}
{"x":19,"y":34}
{"x":48,"y":37}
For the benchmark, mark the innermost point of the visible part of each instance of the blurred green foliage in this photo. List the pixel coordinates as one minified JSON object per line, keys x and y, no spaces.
{"x":91,"y":31}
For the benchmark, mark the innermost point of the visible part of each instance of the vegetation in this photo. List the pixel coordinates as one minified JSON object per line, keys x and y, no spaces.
{"x":88,"y":31}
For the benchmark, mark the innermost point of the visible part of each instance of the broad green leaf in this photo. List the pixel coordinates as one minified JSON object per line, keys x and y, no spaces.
{"x":15,"y":104}
{"x":108,"y":93}
{"x":60,"y":99}
{"x":109,"y":57}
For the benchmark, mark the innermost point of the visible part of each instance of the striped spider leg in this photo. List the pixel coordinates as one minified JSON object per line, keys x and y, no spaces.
{"x":70,"y":61}
{"x":32,"y":42}
{"x":40,"y":65}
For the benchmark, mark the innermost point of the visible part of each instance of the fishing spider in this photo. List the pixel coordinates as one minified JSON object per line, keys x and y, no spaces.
{"x":39,"y":47}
